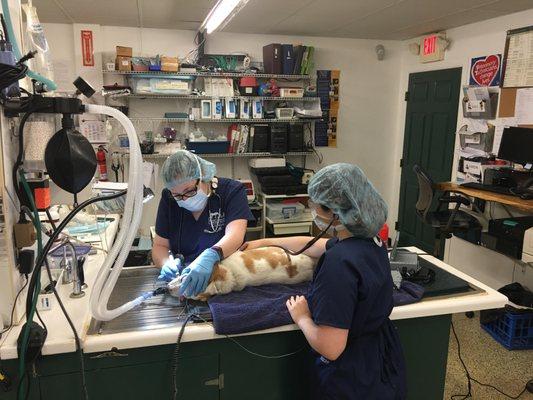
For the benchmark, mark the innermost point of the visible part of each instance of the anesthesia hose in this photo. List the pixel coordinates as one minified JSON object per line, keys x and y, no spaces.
{"x":112,"y":265}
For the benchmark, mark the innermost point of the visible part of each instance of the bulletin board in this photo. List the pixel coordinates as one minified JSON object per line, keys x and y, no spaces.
{"x":518,"y":58}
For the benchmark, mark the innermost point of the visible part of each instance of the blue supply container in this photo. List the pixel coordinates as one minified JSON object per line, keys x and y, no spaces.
{"x":218,"y":147}
{"x":513,"y":331}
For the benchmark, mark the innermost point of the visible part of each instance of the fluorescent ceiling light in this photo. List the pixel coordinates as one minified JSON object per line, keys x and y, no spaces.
{"x":221,"y":14}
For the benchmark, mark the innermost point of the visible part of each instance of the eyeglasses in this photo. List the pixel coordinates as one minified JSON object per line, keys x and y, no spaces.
{"x":188,"y":194}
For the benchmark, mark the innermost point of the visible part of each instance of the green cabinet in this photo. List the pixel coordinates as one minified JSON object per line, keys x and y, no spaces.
{"x":222,"y":369}
{"x":196,"y":376}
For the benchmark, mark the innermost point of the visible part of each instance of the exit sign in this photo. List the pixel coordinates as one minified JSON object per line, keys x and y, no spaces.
{"x":430,"y":45}
{"x":431,"y":48}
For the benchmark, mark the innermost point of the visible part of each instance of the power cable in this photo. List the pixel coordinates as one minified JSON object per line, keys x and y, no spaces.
{"x":470,"y":379}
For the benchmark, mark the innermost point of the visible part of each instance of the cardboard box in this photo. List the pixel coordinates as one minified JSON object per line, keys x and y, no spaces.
{"x":123,"y":63}
{"x":169,"y":64}
{"x":123,"y":51}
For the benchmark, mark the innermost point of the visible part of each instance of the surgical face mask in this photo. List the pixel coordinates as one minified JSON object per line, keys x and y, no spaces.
{"x":322,"y":225}
{"x":196,"y":203}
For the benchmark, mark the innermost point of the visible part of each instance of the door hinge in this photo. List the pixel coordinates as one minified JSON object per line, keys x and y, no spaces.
{"x":401,"y":162}
{"x":406,"y":96}
{"x":216,"y":382}
{"x":396,"y":226}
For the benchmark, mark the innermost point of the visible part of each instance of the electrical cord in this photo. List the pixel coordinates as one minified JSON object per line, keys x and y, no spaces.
{"x":470,"y":379}
{"x":60,"y":227}
{"x":175,"y":354}
{"x":175,"y":357}
{"x":14,"y":306}
{"x":72,"y":327}
{"x":18,"y":162}
{"x":269,"y":357}
{"x":10,"y":74}
{"x":34,"y":284}
{"x":25,"y":333}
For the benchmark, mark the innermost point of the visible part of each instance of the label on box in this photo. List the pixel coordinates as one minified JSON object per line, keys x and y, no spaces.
{"x":472,"y":167}
{"x":473,"y":139}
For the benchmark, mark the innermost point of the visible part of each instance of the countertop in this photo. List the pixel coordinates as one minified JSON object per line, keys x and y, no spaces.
{"x":60,"y":338}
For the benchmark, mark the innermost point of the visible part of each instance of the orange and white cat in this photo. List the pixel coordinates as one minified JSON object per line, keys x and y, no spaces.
{"x":257,"y":267}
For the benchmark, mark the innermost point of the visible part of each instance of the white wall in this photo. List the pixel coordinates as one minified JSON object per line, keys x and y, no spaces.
{"x":479,"y":39}
{"x":369,"y":88}
{"x":372,"y":112}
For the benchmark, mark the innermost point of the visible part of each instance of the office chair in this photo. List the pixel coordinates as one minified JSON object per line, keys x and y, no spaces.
{"x":445,"y":221}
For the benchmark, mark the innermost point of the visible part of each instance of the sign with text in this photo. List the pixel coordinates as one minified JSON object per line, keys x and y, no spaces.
{"x":87,"y":48}
{"x":432,"y":47}
{"x":486,"y":70}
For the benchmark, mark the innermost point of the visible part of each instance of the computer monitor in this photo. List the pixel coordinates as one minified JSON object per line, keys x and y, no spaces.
{"x":517,"y":145}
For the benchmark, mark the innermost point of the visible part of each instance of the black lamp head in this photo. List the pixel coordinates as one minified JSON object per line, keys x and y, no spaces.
{"x":70,"y":158}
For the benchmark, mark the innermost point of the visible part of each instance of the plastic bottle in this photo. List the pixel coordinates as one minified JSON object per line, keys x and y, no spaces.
{"x":36,"y":40}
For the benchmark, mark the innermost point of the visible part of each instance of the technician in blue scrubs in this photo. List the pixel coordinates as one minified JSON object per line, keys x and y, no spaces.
{"x":345,"y":316}
{"x":201,"y":217}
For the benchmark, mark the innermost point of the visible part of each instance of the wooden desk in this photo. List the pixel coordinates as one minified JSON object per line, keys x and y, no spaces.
{"x":513,"y":201}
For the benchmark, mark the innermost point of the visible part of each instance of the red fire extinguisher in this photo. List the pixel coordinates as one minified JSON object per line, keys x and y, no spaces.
{"x":102,"y":165}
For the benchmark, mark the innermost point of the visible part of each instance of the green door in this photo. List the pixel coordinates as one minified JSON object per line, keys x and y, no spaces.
{"x":429,"y":140}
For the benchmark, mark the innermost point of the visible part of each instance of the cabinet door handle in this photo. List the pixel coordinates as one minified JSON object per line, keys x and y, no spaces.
{"x":114,"y":352}
{"x":216,"y":382}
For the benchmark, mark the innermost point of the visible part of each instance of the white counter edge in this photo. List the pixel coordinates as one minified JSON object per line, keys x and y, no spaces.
{"x":487,"y":299}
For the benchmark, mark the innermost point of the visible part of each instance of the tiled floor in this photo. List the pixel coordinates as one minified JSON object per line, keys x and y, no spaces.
{"x":487,"y":361}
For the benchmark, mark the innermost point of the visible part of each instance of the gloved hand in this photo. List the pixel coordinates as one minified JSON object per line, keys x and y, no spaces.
{"x":195,"y":278}
{"x":170,"y":269}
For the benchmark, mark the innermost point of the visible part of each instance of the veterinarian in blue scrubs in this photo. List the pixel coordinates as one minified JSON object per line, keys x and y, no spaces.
{"x":345,"y":317}
{"x":201,"y":217}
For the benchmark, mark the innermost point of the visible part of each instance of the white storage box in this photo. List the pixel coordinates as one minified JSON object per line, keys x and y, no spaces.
{"x":267,"y":162}
{"x":284,"y":212}
{"x":167,"y":85}
{"x":291,"y":228}
{"x":291,"y":92}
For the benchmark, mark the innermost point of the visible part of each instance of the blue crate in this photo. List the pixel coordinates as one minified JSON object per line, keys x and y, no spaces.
{"x":513,"y":331}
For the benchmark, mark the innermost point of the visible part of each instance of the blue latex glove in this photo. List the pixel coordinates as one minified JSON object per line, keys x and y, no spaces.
{"x":195,"y":278}
{"x":170,"y":269}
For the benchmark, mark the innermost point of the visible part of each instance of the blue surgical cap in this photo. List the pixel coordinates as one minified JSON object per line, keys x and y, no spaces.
{"x":345,"y":190}
{"x":184,"y":166}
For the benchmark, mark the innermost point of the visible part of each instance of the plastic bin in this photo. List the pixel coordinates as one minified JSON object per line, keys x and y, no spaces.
{"x":171,"y":85}
{"x":218,"y":147}
{"x":284,"y":212}
{"x":513,"y":331}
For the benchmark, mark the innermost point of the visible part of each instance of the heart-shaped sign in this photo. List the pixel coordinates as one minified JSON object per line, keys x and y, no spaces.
{"x":485,"y":69}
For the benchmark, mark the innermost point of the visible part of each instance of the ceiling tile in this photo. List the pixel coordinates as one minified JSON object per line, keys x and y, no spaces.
{"x":319,"y":18}
{"x":48,"y":11}
{"x":259,"y":15}
{"x":464,"y":18}
{"x":102,"y":12}
{"x":174,"y":14}
{"x":405,"y":14}
{"x":371,"y":19}
{"x":510,"y":6}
